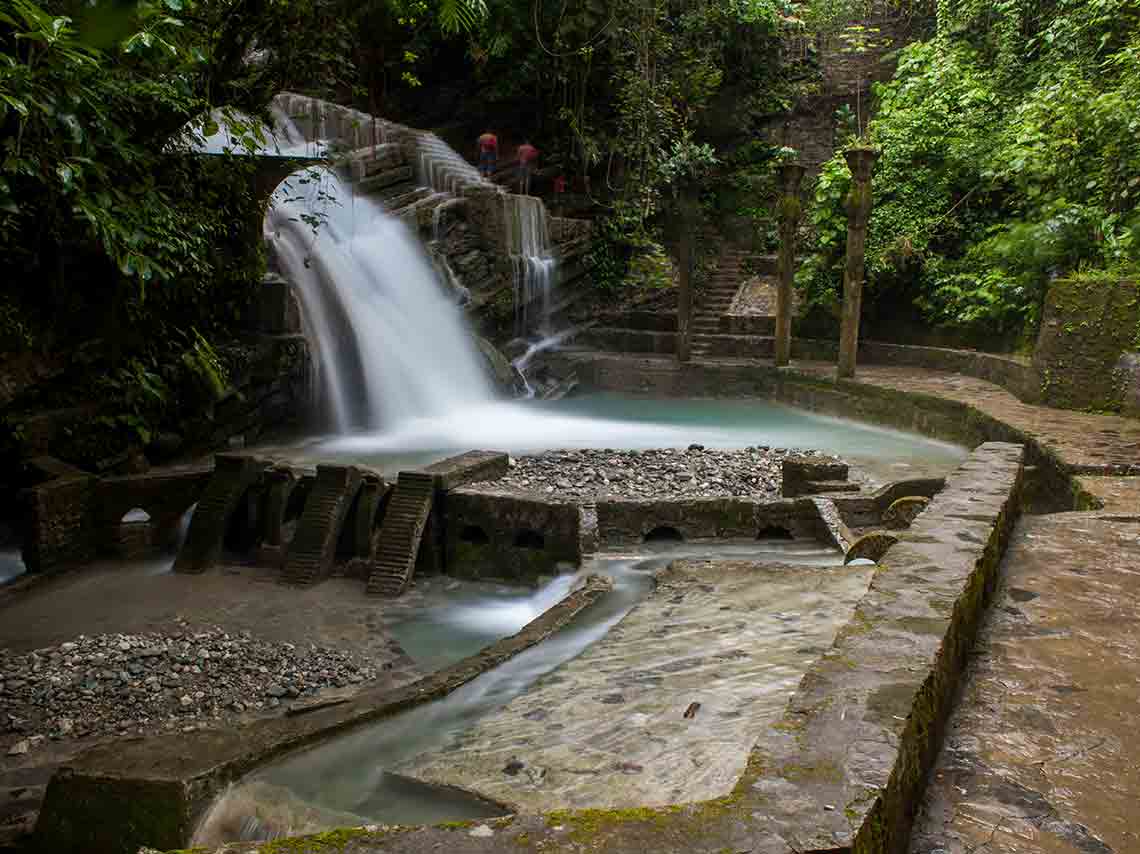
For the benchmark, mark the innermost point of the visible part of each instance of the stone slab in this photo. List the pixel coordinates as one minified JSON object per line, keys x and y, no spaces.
{"x":470,"y":467}
{"x":666,"y":707}
{"x":1040,"y":756}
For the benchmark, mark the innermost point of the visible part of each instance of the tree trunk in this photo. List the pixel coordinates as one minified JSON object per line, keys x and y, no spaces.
{"x":792,"y":174}
{"x":861,"y":161}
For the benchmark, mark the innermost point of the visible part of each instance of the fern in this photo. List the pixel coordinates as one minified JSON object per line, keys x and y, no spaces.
{"x":457,"y":16}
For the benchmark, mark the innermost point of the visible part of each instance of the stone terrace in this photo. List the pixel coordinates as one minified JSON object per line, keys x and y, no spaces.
{"x":1041,"y":754}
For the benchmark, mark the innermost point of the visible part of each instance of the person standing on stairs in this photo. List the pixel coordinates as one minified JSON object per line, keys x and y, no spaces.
{"x":488,"y":154}
{"x":528,"y":158}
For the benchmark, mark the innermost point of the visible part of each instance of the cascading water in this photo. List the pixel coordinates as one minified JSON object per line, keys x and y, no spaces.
{"x":528,"y":241}
{"x":441,"y":168}
{"x":390,"y":345}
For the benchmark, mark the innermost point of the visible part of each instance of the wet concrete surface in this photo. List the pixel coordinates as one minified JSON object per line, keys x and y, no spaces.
{"x":1041,"y":754}
{"x":664,"y":709}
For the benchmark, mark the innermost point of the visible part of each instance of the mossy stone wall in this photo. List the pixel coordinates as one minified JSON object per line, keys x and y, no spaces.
{"x":1087,"y":324}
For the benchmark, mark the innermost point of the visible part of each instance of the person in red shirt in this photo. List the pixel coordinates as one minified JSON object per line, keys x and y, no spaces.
{"x":528,"y":159}
{"x":488,"y":153}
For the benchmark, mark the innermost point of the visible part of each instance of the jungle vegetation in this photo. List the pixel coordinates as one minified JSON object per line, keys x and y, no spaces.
{"x":1007,"y":137}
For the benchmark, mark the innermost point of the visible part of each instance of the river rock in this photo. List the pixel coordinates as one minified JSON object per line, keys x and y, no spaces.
{"x":693,"y":472}
{"x":121,"y":684}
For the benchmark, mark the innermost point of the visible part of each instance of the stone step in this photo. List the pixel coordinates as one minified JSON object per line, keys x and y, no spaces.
{"x":313,"y":549}
{"x":233,"y":475}
{"x":401,"y":533}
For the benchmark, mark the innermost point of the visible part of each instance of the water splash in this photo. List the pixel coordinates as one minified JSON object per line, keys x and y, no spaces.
{"x":549,"y":342}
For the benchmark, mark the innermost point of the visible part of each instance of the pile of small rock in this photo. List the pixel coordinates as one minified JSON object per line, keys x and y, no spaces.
{"x":137,"y":684}
{"x":694,"y":472}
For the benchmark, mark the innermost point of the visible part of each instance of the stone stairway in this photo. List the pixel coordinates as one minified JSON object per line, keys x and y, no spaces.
{"x":717,"y":299}
{"x":313,"y":548}
{"x":401,"y":533}
{"x":233,"y":475}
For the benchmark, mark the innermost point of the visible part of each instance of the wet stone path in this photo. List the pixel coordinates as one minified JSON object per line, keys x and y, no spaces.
{"x":665,"y":709}
{"x":1040,"y":755}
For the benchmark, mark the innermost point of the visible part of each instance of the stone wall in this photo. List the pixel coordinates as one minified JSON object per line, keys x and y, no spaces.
{"x":1085,"y":329}
{"x":633,"y":521}
{"x":59,"y":524}
{"x":502,"y":535}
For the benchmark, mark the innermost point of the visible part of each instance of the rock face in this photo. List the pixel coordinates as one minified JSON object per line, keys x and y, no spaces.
{"x":503,"y":374}
{"x":669,"y":473}
{"x":125,"y":684}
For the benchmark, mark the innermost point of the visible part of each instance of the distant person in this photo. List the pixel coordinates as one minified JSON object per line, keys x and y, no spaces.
{"x":560,"y":192}
{"x":488,"y":154}
{"x":528,"y":159}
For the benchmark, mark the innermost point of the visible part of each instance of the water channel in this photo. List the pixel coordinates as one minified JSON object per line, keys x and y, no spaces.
{"x":348,"y":780}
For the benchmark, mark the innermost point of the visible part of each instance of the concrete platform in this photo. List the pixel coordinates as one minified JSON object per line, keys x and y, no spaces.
{"x":1041,"y":755}
{"x":664,"y":709}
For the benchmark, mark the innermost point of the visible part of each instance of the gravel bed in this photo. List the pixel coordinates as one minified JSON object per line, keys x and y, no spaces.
{"x":138,"y":684}
{"x":668,"y":473}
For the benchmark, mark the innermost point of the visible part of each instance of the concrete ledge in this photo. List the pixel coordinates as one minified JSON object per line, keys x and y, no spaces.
{"x":117,"y":797}
{"x":744,"y":337}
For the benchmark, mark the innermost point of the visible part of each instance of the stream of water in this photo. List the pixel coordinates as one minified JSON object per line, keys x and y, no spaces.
{"x":346,"y":780}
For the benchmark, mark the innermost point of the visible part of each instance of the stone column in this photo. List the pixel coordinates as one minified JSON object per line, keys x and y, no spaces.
{"x":861,"y":161}
{"x":791,"y":174}
{"x":685,"y":283}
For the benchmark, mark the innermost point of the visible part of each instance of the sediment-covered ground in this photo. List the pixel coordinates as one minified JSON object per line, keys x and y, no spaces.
{"x":676,"y":473}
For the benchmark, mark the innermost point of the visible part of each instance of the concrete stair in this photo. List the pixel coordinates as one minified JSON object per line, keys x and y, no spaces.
{"x":711,"y":321}
{"x":401,"y":534}
{"x":313,"y":549}
{"x":233,"y":475}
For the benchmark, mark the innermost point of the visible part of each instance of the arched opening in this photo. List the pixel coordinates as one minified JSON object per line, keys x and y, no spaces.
{"x":135,"y":534}
{"x":664,"y":534}
{"x":474,"y":535}
{"x":529,"y":539}
{"x":774,"y":532}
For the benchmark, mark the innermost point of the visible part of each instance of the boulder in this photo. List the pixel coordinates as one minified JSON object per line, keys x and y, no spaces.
{"x":503,"y":374}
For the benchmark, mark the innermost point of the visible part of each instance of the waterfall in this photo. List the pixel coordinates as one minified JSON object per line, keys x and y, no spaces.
{"x":528,"y":241}
{"x":389,"y":344}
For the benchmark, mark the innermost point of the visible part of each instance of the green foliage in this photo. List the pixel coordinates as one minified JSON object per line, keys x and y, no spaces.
{"x":1009,"y":157}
